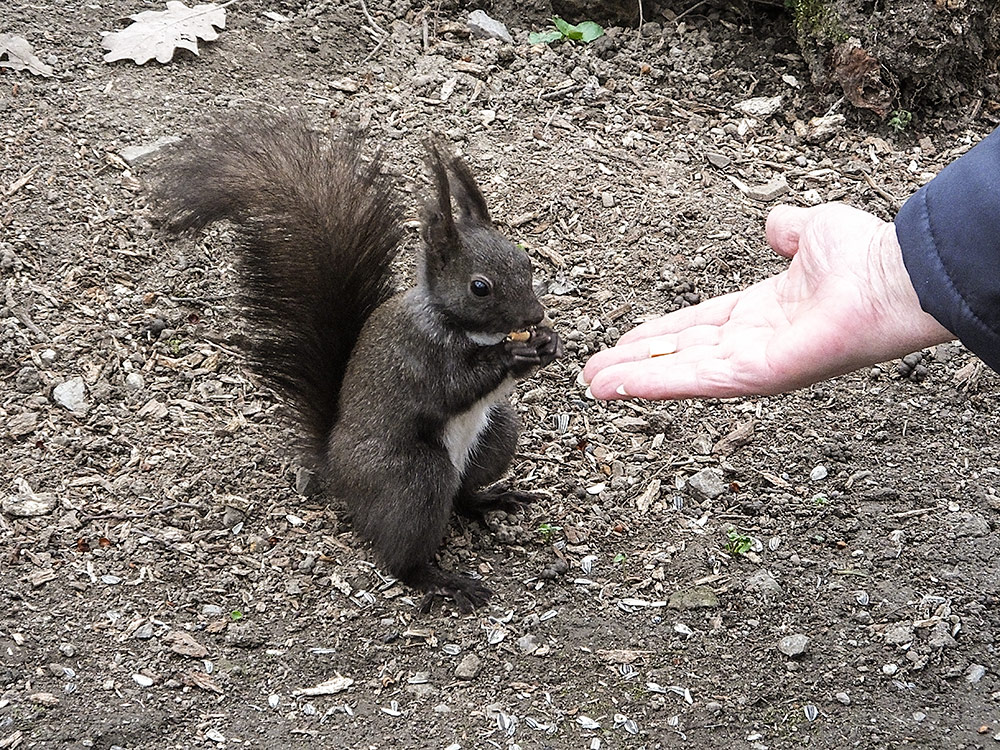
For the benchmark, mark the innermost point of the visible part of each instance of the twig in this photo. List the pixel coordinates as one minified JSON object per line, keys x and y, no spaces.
{"x":20,"y":183}
{"x":371,"y":21}
{"x":912,"y":513}
{"x":134,"y":516}
{"x":642,"y":17}
{"x":683,"y":13}
{"x":23,"y":316}
{"x":375,"y":49}
{"x":893,"y":201}
{"x":565,"y":91}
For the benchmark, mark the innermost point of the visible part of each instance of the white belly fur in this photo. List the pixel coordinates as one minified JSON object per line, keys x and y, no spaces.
{"x":461,"y":434}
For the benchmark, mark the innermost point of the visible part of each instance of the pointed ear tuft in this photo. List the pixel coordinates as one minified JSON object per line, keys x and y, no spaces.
{"x":437,"y":225}
{"x":468,"y":197}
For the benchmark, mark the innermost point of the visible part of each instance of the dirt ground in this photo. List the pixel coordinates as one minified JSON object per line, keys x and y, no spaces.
{"x":829,"y":578}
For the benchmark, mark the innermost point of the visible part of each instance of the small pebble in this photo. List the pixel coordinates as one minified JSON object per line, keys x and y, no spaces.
{"x":469,"y":667}
{"x":528,"y":644}
{"x":975,"y":673}
{"x":134,"y":382}
{"x":707,"y":484}
{"x":818,"y":473}
{"x":794,"y":645}
{"x":71,"y":395}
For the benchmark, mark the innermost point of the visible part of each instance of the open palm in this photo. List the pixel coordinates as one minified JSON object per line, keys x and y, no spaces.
{"x":845,"y":301}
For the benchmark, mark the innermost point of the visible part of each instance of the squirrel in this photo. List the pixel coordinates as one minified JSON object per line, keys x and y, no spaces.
{"x":403,"y":398}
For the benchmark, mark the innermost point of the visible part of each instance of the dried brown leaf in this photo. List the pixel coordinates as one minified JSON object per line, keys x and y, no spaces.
{"x":183,"y":643}
{"x":200,"y":680}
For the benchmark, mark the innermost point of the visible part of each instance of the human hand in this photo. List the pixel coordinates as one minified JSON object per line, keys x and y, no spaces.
{"x":844,"y":302}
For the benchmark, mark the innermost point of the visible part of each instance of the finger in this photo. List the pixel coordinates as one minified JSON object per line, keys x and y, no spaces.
{"x":651,"y":348}
{"x":784,"y":228}
{"x":712,"y":312}
{"x":698,"y":377}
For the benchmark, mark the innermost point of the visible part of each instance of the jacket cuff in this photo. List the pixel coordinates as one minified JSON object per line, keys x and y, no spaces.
{"x":949,"y":232}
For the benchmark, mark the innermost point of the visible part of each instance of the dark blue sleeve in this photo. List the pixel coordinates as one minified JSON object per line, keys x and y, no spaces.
{"x":949,"y":231}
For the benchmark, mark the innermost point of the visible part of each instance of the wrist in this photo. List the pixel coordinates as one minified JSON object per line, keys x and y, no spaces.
{"x":906,"y":322}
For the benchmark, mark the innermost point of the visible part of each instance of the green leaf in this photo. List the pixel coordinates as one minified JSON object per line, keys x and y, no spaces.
{"x":575,"y":34}
{"x":590,"y":30}
{"x":564,"y":27}
{"x":544,"y":37}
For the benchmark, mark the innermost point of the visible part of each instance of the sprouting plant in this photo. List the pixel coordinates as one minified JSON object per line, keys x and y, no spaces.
{"x":820,"y":499}
{"x":236,"y":615}
{"x":548,"y":530}
{"x":900,"y":120}
{"x":738,"y":544}
{"x":175,"y":346}
{"x":620,"y":558}
{"x":585,"y":31}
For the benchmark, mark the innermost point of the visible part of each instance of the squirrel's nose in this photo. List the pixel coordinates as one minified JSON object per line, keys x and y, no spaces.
{"x":534,"y":316}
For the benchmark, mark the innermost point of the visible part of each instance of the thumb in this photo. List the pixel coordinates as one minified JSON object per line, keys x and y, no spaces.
{"x":784,"y":227}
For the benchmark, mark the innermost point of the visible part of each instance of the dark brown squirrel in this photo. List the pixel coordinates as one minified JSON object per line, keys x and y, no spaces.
{"x":403,"y":397}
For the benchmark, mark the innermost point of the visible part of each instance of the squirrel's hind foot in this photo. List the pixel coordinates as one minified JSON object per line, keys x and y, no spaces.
{"x":499,"y":497}
{"x":467,"y":593}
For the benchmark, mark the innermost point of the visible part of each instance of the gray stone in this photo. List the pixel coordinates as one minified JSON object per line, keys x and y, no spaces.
{"x":794,"y":645}
{"x":770,"y":191}
{"x":707,"y":484}
{"x":26,"y":503}
{"x":818,"y":473}
{"x":759,"y":106}
{"x":764,"y":585}
{"x":528,"y":644}
{"x":721,"y":161}
{"x":972,"y":524}
{"x":134,"y":382}
{"x":822,"y":129}
{"x":23,"y":424}
{"x":483,"y":26}
{"x":697,"y":597}
{"x":975,"y":673}
{"x":940,"y":636}
{"x":469,"y":668}
{"x":899,"y":635}
{"x":307,"y":483}
{"x":71,"y":395}
{"x":137,"y":154}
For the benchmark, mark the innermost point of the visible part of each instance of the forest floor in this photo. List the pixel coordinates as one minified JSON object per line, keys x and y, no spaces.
{"x":819,"y":569}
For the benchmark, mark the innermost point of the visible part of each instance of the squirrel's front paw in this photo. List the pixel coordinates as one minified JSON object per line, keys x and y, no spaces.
{"x":541,"y":348}
{"x":550,"y":346}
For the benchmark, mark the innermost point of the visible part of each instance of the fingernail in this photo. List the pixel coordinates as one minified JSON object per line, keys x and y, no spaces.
{"x":589,"y":394}
{"x":579,"y":379}
{"x":620,"y":390}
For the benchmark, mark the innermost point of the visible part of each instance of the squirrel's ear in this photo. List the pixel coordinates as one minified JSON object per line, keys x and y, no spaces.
{"x":468,"y":197}
{"x":437,"y":225}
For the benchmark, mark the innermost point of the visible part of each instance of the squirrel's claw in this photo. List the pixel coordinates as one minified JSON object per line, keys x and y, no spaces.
{"x":542,"y":348}
{"x":466,"y":593}
{"x":476,"y":504}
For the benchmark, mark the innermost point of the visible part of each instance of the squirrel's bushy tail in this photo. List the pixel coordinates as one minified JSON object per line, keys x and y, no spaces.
{"x":318,"y":228}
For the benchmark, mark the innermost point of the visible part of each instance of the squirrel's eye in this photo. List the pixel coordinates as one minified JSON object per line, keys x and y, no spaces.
{"x":481,"y":287}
